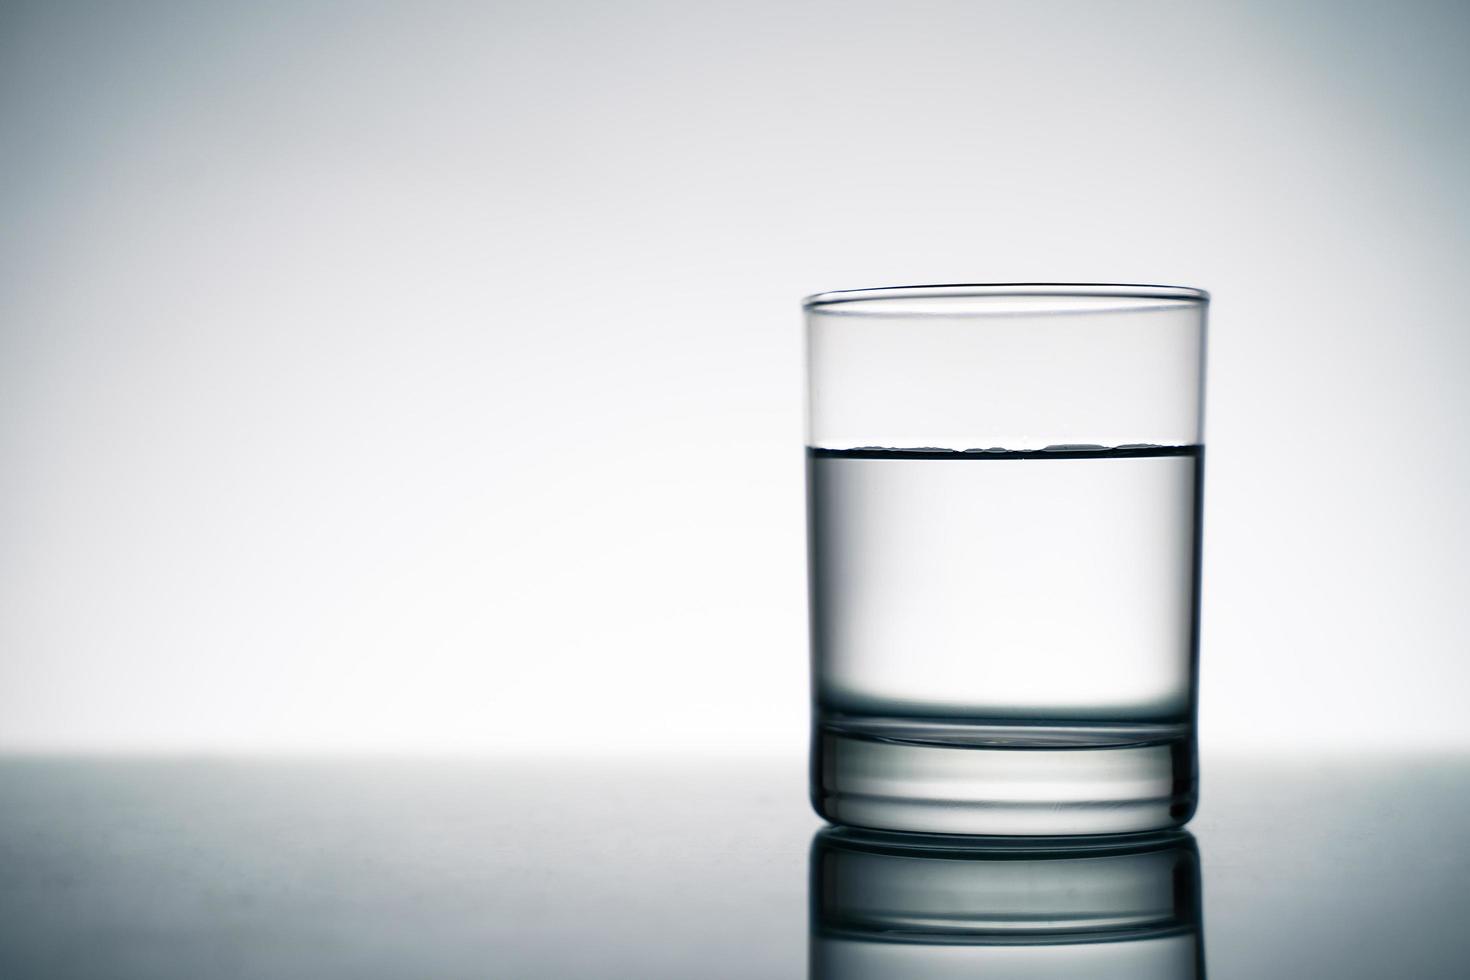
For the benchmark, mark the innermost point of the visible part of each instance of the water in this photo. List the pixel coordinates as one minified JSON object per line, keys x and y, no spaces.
{"x":1005,"y":642}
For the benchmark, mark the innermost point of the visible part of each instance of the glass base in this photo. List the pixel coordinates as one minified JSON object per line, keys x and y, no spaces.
{"x":934,"y":776}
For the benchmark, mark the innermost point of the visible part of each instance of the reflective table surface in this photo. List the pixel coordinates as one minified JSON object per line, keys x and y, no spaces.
{"x":681,"y":867}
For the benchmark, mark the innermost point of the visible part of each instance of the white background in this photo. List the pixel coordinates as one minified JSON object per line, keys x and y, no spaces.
{"x":428,"y":377}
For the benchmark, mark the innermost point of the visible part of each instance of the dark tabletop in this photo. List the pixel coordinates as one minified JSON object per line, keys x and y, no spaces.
{"x":542,"y":867}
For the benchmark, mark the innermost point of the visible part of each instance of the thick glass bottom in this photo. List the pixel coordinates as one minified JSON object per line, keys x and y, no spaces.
{"x":936,"y":776}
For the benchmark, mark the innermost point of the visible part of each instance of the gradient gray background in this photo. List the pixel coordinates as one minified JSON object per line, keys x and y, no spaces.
{"x":428,"y":376}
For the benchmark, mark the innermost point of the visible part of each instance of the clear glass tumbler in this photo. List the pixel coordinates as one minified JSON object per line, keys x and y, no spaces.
{"x":1004,"y":487}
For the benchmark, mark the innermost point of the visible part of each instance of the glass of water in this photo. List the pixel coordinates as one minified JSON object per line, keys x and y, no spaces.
{"x":1004,"y":487}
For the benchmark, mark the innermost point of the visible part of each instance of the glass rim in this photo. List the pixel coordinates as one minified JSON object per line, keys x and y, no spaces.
{"x":1150,"y":296}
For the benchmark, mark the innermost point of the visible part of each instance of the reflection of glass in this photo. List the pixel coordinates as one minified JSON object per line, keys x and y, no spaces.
{"x":933,"y":908}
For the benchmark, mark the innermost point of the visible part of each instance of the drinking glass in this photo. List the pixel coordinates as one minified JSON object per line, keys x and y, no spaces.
{"x":1004,"y":490}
